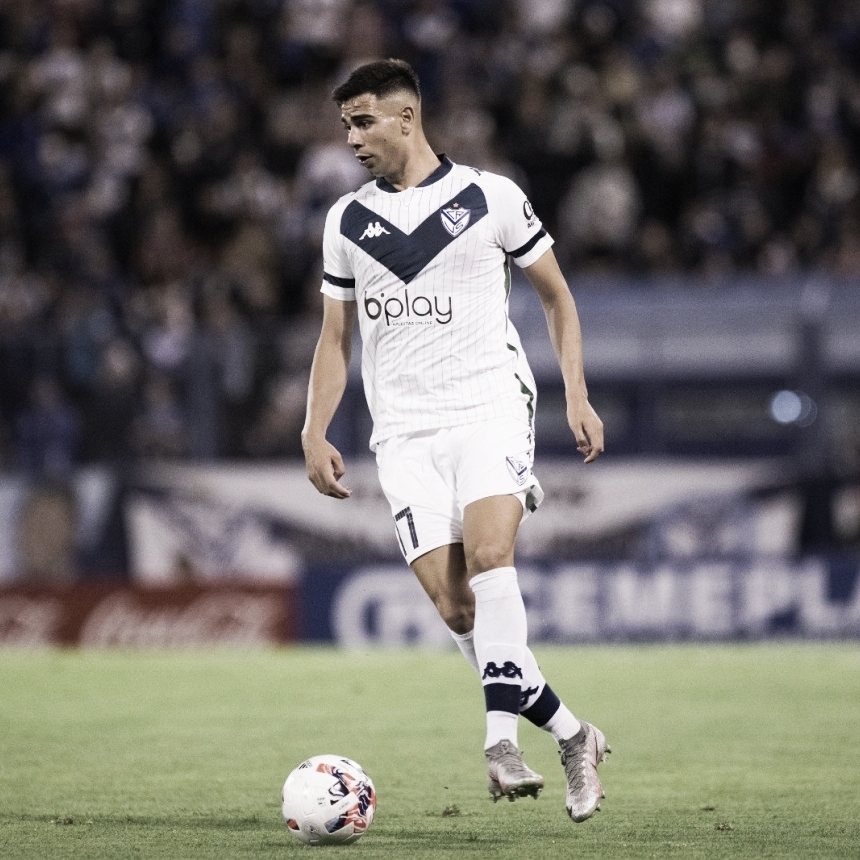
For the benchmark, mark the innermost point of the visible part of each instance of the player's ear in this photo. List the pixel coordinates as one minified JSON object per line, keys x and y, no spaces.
{"x":407,"y":118}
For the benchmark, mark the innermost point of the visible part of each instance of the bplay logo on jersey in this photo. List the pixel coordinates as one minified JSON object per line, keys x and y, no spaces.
{"x":410,"y":310}
{"x":529,"y":214}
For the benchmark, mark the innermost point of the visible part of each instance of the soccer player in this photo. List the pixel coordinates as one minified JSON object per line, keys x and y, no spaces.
{"x":420,"y":254}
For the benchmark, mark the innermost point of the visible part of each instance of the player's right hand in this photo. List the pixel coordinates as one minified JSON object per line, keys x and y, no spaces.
{"x":325,"y":468}
{"x":587,"y":428}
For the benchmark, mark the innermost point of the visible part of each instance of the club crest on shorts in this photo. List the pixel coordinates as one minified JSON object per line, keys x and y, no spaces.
{"x":519,"y":471}
{"x":455,"y":220}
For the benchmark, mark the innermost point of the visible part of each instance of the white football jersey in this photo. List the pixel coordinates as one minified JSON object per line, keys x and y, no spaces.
{"x":429,"y":269}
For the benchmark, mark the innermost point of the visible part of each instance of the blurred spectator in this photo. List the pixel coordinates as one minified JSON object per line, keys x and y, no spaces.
{"x":159,"y":429}
{"x":47,"y":535}
{"x":218,"y":376}
{"x":275,"y":432}
{"x":48,"y":432}
{"x":250,"y":260}
{"x":111,"y":403}
{"x":598,"y":217}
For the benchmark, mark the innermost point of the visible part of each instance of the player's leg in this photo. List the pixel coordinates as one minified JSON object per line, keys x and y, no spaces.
{"x":500,"y":629}
{"x":487,"y":618}
{"x":500,"y":634}
{"x":442,"y":574}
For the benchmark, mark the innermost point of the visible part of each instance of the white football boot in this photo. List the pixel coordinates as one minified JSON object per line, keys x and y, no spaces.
{"x":580,"y":756}
{"x":508,"y":775}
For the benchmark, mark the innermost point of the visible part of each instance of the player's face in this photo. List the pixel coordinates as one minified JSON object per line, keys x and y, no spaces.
{"x":375,"y":133}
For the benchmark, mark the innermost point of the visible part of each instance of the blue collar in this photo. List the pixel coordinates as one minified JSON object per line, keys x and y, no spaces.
{"x":443,"y":169}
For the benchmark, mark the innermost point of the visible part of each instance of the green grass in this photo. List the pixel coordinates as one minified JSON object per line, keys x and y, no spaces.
{"x":719,"y":752}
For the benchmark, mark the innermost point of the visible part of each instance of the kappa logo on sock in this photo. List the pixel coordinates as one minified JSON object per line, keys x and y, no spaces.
{"x":508,"y":670}
{"x":526,"y":694}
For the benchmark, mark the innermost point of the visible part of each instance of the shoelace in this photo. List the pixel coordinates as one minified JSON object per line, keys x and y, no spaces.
{"x":510,"y":759}
{"x":512,"y":762}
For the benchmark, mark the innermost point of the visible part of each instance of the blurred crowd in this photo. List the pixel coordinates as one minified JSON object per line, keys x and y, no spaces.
{"x":166,"y":166}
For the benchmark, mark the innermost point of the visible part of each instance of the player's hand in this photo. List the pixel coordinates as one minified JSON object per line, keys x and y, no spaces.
{"x":587,"y":428}
{"x":325,"y":468}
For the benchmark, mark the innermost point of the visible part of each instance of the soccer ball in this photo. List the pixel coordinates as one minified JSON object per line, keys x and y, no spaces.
{"x":328,"y":800}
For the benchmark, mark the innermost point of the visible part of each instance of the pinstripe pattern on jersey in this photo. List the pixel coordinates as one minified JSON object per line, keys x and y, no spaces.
{"x":464,"y":362}
{"x":406,"y":254}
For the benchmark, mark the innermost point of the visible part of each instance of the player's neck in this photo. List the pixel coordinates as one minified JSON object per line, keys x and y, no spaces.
{"x":417,"y":167}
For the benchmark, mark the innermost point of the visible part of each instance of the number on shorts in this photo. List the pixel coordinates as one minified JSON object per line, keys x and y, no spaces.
{"x":406,"y":512}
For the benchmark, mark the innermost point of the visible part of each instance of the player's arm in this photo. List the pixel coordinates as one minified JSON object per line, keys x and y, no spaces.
{"x":566,"y":337}
{"x":326,"y":387}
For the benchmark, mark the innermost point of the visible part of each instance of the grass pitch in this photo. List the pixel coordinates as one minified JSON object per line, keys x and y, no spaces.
{"x":719,"y":752}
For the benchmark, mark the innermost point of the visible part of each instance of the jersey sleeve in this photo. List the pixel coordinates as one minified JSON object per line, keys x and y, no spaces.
{"x":519,"y":230}
{"x":338,"y":279}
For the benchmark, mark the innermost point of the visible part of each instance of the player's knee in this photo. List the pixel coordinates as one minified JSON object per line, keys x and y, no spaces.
{"x":488,"y":556}
{"x":457,"y":615}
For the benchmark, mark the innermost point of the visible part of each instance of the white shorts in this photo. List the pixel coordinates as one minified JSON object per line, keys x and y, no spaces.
{"x":429,"y":477}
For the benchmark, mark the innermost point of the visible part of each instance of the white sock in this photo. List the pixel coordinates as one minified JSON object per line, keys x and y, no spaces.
{"x":540,"y":705}
{"x":501,"y":726}
{"x":533,"y":680}
{"x":499,"y":638}
{"x":563,"y":725}
{"x":466,"y":644}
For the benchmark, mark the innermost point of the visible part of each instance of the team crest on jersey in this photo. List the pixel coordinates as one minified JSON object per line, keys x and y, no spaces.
{"x":455,"y":220}
{"x":518,"y":470}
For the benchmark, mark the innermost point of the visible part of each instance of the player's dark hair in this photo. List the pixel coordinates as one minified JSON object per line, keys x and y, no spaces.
{"x":380,"y":78}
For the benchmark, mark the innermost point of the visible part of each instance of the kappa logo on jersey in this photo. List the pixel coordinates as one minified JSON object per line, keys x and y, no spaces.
{"x":455,"y":220}
{"x":518,"y":470}
{"x":508,"y":670}
{"x":373,"y":231}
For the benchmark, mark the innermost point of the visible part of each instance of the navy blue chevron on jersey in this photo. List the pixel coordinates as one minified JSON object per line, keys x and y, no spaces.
{"x":429,"y":269}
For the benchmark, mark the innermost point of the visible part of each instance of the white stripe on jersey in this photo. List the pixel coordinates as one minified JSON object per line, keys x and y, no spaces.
{"x":428,"y":267}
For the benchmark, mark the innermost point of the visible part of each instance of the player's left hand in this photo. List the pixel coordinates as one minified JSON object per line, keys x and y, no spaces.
{"x":325,"y":468}
{"x":587,"y":428}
